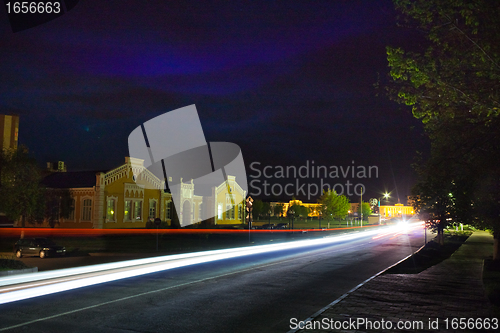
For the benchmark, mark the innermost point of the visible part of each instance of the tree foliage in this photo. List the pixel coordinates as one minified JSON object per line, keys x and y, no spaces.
{"x":452,"y":83}
{"x":21,"y":195}
{"x":334,"y":206}
{"x":257,"y":208}
{"x":456,"y":73}
{"x":58,"y":204}
{"x":279,"y":209}
{"x":367,"y":210}
{"x":299,"y":210}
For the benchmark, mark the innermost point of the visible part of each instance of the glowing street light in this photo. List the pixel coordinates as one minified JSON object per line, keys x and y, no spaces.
{"x":386,"y":196}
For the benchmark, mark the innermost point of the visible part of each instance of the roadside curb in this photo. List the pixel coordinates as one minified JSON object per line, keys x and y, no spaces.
{"x":19,"y":271}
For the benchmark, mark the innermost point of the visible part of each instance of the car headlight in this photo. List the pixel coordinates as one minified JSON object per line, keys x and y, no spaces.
{"x":46,"y":249}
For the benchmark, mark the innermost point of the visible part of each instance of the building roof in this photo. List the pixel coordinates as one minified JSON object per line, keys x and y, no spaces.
{"x":75,"y":179}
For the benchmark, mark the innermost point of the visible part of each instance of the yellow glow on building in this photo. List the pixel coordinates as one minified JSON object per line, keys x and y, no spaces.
{"x":398,"y":210}
{"x":313,"y":207}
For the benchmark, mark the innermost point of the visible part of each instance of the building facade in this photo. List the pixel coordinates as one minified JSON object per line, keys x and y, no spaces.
{"x":398,"y":210}
{"x":9,"y":131}
{"x":116,"y":199}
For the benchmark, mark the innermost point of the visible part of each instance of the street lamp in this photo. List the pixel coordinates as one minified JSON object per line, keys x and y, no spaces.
{"x":386,"y":196}
{"x":269,"y":214}
{"x":291,"y":212}
{"x":320,"y":213}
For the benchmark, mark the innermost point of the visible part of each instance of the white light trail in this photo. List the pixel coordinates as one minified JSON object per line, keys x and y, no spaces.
{"x":19,"y":287}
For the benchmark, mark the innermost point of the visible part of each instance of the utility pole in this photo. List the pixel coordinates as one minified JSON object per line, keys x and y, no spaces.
{"x":361,"y":207}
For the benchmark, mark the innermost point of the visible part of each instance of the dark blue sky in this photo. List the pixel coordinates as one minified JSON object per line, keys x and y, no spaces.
{"x":288,"y":81}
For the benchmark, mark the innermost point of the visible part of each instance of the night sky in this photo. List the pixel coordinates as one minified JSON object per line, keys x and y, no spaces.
{"x":288,"y":81}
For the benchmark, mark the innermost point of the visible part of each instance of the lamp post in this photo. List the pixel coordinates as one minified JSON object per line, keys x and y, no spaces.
{"x":269,"y":214}
{"x":291,"y":215}
{"x":320,"y":213}
{"x":249,"y":208}
{"x":386,"y":196}
{"x":361,"y":207}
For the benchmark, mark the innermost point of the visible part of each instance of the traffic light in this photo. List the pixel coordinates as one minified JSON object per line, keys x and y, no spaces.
{"x":249,"y":207}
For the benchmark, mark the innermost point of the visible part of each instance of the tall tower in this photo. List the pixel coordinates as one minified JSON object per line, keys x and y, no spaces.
{"x":9,"y":130}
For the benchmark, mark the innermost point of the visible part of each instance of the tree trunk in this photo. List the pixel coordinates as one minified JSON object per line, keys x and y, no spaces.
{"x":440,"y":233}
{"x":496,"y":236}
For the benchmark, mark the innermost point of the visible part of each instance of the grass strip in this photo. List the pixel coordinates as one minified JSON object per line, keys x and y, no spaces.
{"x":431,"y":254}
{"x":11,"y":264}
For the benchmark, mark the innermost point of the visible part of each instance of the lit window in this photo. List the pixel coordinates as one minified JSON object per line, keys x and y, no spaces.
{"x":219,"y":211}
{"x":152,"y":209}
{"x":138,"y":210}
{"x":110,"y":212}
{"x":128,"y":210}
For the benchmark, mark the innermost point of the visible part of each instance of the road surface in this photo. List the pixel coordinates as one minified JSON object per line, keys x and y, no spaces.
{"x":254,"y":293}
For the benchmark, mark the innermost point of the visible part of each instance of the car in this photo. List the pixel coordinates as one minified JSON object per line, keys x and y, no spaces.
{"x":268,"y":226}
{"x":282,"y":226}
{"x":42,"y":247}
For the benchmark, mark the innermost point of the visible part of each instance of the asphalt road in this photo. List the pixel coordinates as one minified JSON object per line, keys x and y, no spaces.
{"x":257,"y":293}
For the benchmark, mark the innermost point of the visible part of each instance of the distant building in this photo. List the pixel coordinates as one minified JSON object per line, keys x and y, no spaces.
{"x":9,"y":131}
{"x":58,"y":166}
{"x":313,"y":207}
{"x":398,"y":210}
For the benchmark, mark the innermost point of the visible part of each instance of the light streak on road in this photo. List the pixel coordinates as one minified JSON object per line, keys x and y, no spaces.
{"x":19,"y":287}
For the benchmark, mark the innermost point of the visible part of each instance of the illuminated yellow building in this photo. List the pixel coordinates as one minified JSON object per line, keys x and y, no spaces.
{"x":398,"y":210}
{"x":229,"y":203}
{"x":114,"y":199}
{"x":9,"y":130}
{"x":313,"y":207}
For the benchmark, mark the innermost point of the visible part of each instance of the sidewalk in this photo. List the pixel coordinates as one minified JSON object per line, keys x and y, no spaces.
{"x":451,"y":289}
